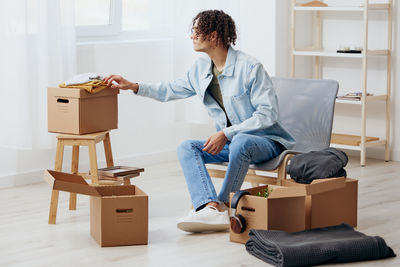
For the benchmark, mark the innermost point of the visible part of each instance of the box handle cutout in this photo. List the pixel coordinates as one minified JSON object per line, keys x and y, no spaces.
{"x":248,"y":209}
{"x":124,"y":210}
{"x":61,"y":100}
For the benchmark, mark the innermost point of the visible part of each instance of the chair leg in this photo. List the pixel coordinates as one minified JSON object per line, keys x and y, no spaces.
{"x":108,"y":151}
{"x":55,"y":193}
{"x":53,"y":206}
{"x":74,"y":170}
{"x":93,"y":163}
{"x":282,"y":169}
{"x":59,"y":156}
{"x":281,"y":174}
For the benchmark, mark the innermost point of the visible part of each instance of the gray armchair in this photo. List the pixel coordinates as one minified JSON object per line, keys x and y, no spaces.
{"x":306,"y":111}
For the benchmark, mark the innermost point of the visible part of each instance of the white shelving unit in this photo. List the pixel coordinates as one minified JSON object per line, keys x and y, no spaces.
{"x":343,"y":141}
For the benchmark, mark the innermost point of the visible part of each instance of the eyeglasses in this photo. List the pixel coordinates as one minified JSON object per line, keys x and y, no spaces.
{"x":194,"y":30}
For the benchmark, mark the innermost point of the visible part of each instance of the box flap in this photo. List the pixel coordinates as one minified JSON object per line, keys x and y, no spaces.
{"x":284,"y":192}
{"x":278,"y":191}
{"x":323,"y":185}
{"x":318,"y":185}
{"x":79,"y":92}
{"x":117,"y":190}
{"x":69,"y":182}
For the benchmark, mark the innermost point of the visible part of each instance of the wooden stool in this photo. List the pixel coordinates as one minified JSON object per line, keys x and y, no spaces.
{"x":89,"y":140}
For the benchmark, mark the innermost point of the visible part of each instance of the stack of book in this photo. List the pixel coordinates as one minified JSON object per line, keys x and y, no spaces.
{"x":352,"y":96}
{"x":119,"y":173}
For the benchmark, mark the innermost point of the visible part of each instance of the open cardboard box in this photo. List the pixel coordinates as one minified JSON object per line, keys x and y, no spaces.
{"x":75,"y":111}
{"x":284,"y":209}
{"x":118,"y":214}
{"x":331,"y":207}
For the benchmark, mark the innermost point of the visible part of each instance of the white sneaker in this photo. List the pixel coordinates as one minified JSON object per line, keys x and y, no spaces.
{"x":206,"y":219}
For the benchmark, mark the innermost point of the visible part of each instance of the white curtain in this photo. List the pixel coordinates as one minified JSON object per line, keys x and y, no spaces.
{"x":37,"y":50}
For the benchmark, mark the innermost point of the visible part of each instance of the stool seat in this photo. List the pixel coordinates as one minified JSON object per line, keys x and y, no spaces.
{"x":100,"y":136}
{"x":89,"y":140}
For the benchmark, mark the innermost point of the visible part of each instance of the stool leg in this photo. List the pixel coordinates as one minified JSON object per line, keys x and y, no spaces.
{"x":53,"y":206}
{"x":55,"y":193}
{"x":93,"y":163}
{"x":74,"y":170}
{"x":108,"y":151}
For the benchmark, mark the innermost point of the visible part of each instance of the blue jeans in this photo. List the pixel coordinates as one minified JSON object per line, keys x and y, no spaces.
{"x":240,"y":153}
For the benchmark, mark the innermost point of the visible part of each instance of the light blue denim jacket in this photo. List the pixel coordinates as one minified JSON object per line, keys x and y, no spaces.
{"x":247,"y":92}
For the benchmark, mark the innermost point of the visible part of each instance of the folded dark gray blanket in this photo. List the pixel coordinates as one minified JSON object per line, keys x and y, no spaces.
{"x":340,"y":243}
{"x":325,"y":163}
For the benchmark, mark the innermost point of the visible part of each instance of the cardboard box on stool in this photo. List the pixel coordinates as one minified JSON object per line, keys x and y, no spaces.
{"x":285,"y":209}
{"x":76,"y":111}
{"x":118,"y":214}
{"x":332,"y":207}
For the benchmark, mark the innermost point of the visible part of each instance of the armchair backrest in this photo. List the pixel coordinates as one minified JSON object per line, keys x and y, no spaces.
{"x":306,"y":110}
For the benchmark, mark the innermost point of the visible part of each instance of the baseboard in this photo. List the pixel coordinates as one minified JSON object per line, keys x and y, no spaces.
{"x":36,"y":176}
{"x":31,"y":177}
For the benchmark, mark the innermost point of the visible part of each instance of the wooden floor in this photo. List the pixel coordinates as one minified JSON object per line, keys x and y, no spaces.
{"x":27,"y":240}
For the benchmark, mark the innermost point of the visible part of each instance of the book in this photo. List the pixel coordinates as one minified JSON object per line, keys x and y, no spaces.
{"x":118,"y":171}
{"x":352,"y":96}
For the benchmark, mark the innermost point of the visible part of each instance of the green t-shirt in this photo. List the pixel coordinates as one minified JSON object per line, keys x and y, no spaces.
{"x":215,"y":91}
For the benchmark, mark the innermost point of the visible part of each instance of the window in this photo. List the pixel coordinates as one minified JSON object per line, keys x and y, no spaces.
{"x":124,"y":19}
{"x":135,"y":15}
{"x":98,"y":17}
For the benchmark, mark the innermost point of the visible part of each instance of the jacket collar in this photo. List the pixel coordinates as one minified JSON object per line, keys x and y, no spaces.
{"x":229,"y":63}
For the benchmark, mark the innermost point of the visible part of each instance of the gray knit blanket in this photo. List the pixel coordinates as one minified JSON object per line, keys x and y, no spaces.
{"x":332,"y":244}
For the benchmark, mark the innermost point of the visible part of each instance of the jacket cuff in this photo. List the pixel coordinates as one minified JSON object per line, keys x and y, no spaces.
{"x":229,"y":132}
{"x":143,"y":90}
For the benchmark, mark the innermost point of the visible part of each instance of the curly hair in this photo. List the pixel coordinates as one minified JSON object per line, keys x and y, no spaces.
{"x":209,"y":21}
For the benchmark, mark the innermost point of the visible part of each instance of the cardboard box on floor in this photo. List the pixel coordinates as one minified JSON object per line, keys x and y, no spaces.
{"x":333,"y":207}
{"x":118,"y":214}
{"x":284,"y":209}
{"x":76,"y":111}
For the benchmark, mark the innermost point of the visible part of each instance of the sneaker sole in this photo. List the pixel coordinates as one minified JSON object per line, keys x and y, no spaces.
{"x":197,"y":227}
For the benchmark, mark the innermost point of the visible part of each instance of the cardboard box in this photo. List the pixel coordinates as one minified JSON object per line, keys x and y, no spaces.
{"x":75,"y":111}
{"x":285,"y":208}
{"x":332,"y":207}
{"x":118,"y":214}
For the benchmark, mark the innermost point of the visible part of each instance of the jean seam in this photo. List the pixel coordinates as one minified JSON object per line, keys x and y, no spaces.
{"x":203,"y":178}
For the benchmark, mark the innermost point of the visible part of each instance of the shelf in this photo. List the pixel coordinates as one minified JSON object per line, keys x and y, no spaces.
{"x":332,"y":53}
{"x":350,"y":140}
{"x":342,"y":8}
{"x":353,"y":142}
{"x":382,"y":52}
{"x":350,"y":147}
{"x":322,"y":52}
{"x":372,"y":98}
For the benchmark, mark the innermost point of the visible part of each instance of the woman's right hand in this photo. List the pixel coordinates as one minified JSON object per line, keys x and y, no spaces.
{"x":118,"y":82}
